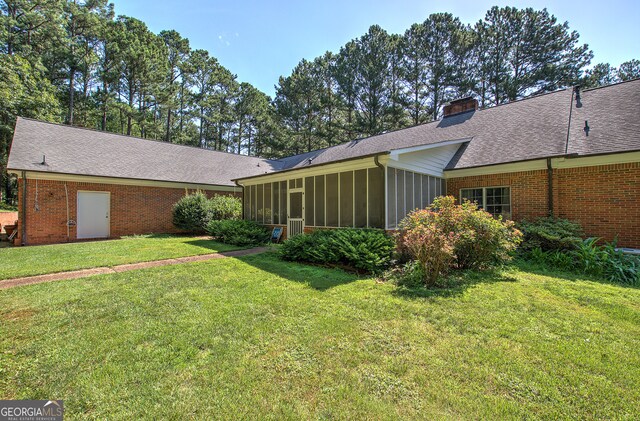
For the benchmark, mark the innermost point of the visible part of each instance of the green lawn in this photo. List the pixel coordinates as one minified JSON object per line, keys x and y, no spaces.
{"x":259,"y":338}
{"x":38,"y":260}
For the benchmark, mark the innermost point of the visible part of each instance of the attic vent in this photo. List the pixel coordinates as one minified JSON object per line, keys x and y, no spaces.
{"x":460,"y":106}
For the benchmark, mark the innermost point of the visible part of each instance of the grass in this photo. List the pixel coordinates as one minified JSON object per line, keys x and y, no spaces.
{"x":256,"y":337}
{"x":38,"y":260}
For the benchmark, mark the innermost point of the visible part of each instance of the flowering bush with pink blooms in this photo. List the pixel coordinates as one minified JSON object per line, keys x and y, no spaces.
{"x":447,"y":236}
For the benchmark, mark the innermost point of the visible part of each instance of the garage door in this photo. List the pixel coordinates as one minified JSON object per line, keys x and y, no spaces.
{"x":93,"y":214}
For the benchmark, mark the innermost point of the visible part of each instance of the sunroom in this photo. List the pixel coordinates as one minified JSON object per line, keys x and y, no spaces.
{"x":376,"y":191}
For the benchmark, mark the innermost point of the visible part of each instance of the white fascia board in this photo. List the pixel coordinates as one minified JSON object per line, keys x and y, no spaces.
{"x":395,"y":153}
{"x":541,"y":164}
{"x":35,"y":175}
{"x":351,"y":165}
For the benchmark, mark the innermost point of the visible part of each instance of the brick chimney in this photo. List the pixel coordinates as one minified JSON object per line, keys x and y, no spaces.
{"x":460,"y":106}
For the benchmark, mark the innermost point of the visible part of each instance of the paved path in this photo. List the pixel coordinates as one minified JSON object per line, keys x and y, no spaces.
{"x":60,"y":276}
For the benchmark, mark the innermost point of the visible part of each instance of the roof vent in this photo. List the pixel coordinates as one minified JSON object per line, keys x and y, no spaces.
{"x":460,"y":106}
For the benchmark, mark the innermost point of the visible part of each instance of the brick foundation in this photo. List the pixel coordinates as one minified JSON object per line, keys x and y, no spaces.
{"x":605,"y":200}
{"x":134,"y":209}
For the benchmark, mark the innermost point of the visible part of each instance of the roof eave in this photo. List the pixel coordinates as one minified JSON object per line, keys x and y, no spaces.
{"x":312,"y":166}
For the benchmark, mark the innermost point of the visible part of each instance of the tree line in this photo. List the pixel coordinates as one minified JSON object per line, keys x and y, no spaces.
{"x":76,"y":62}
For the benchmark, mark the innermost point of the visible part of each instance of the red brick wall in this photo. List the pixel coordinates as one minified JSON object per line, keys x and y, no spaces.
{"x":605,"y":200}
{"x":528,"y":190}
{"x":134,"y":209}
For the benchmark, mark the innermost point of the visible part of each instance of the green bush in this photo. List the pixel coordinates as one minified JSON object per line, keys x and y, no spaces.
{"x":409,"y":275}
{"x":225,"y":207}
{"x":368,"y":250}
{"x":447,"y":236}
{"x":239,"y":232}
{"x":191,"y":213}
{"x":600,"y":261}
{"x":7,"y":207}
{"x":550,"y":233}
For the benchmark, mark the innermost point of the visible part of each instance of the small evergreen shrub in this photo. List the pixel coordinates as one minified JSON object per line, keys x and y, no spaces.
{"x":447,"y":236}
{"x":550,"y":233}
{"x":225,"y":207}
{"x":368,"y":250}
{"x":191,"y":213}
{"x":239,"y":232}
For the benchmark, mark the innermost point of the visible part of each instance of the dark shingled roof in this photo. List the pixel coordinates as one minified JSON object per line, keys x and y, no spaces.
{"x":72,"y":150}
{"x":613,"y":116}
{"x":527,"y":129}
{"x":532,"y":128}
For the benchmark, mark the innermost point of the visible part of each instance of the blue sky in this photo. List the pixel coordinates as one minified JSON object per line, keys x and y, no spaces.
{"x":260,"y":41}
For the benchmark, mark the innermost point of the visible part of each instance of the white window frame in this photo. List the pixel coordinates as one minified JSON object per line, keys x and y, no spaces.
{"x":484,"y":196}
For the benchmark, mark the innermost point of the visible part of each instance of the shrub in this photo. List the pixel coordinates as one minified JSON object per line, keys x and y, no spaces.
{"x":483,"y":240}
{"x":225,"y":207}
{"x":191,"y":212}
{"x":550,"y":233}
{"x":409,"y":275}
{"x":8,"y":207}
{"x":447,"y":235}
{"x":601,"y":261}
{"x":367,"y":250}
{"x":239,"y":232}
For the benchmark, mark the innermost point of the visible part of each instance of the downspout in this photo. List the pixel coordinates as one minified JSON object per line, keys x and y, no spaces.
{"x":376,"y":161}
{"x":242,"y":190}
{"x":550,"y":186}
{"x":24,"y":208}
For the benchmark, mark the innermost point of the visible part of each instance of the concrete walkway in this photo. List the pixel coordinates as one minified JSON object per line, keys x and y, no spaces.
{"x":60,"y":276}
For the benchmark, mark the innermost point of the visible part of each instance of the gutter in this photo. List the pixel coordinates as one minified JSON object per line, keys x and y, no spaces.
{"x":377,"y":154}
{"x":376,"y":160}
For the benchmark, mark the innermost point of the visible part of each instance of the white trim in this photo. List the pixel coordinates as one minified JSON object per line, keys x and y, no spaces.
{"x":339,"y":167}
{"x":592,"y":161}
{"x":541,"y":164}
{"x":394,"y":153}
{"x":35,"y":175}
{"x":484,"y":196}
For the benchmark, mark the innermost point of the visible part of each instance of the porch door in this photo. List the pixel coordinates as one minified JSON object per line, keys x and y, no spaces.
{"x":295,"y":220}
{"x":93,"y":214}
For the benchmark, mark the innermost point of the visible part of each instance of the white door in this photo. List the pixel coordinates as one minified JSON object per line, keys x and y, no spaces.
{"x":93,"y":214}
{"x":295,"y":220}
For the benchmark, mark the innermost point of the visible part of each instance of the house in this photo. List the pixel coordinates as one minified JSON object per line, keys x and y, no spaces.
{"x":572,"y":153}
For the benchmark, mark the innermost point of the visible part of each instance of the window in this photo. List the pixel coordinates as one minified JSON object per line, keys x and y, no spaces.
{"x":332,"y":200}
{"x":360,"y":196}
{"x":495,"y":200}
{"x":267,"y":204}
{"x":283,"y":202}
{"x":276,"y":203}
{"x":260,"y":204}
{"x":319,"y":190}
{"x":346,"y":199}
{"x":308,"y":202}
{"x":472,"y":195}
{"x":407,"y":191}
{"x":376,"y":197}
